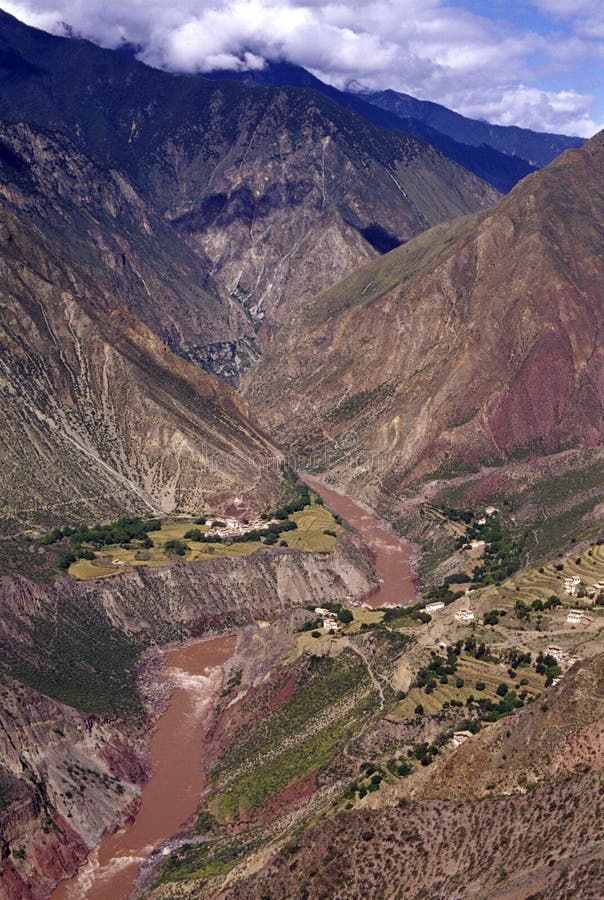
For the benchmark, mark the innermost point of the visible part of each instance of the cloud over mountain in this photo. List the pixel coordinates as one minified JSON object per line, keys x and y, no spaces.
{"x":525,"y":70}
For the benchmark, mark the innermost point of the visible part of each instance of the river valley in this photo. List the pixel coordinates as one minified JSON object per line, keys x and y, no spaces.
{"x":170,"y":797}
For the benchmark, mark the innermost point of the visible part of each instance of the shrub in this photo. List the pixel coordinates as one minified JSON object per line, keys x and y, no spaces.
{"x":177,"y":547}
{"x":66,"y":560}
{"x":502,"y":689}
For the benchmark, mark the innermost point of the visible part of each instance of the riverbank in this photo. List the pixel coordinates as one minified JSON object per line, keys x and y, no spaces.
{"x":192,"y":676}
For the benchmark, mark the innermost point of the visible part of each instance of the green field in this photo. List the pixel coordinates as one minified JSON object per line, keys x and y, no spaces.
{"x":310,"y":536}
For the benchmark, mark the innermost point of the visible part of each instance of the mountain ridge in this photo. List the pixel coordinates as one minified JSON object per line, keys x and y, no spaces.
{"x":100,"y":418}
{"x":458,"y":328}
{"x":257,"y":181}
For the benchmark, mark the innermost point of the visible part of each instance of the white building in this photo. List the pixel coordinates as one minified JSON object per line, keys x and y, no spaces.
{"x":433,"y":607}
{"x":476,"y":545}
{"x":460,"y":737}
{"x":465,"y":615}
{"x":576,"y":617}
{"x":571,"y":584}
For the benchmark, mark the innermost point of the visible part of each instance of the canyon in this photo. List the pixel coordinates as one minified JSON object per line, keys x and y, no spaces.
{"x":193,"y":673}
{"x":69,"y":774}
{"x":436,"y":359}
{"x":208,"y":286}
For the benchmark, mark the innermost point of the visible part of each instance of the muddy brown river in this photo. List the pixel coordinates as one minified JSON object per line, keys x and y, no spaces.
{"x":393,"y":556}
{"x":170,"y":796}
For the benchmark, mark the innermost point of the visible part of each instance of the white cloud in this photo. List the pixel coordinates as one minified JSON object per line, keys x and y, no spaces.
{"x":480,"y":66}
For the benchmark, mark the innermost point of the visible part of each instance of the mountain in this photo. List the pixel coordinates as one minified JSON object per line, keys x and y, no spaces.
{"x":534,"y":831}
{"x":473,"y":344}
{"x":99,"y":417}
{"x":499,"y":168}
{"x":537,"y":148}
{"x":278,"y":191}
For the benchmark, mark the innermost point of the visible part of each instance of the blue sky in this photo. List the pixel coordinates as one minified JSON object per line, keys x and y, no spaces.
{"x":539,"y":64}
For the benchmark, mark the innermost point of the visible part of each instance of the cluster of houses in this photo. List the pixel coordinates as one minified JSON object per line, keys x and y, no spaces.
{"x":234,"y":528}
{"x":489,"y":511}
{"x":462,"y":615}
{"x":572,"y":583}
{"x":562,"y":658}
{"x":329,"y":619}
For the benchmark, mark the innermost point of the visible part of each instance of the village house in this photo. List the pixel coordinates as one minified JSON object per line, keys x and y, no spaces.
{"x":330,"y":619}
{"x":571,"y":584}
{"x":465,"y":615}
{"x":577,"y":617}
{"x":562,"y":658}
{"x":491,"y":510}
{"x":460,"y":737}
{"x":433,"y":607}
{"x":476,"y":545}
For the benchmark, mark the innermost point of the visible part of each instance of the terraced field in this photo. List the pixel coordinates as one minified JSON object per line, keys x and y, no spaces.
{"x":541,"y":583}
{"x":473,"y":672}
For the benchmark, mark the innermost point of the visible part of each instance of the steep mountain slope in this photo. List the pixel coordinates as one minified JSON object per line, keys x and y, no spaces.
{"x":498,"y":167}
{"x":516,"y":841}
{"x":99,"y":418}
{"x":279,"y":191}
{"x":475,"y":342}
{"x":108,"y":226}
{"x":537,"y":148}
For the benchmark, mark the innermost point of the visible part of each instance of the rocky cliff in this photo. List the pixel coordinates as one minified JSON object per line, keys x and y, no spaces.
{"x":99,"y":416}
{"x":474,"y":343}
